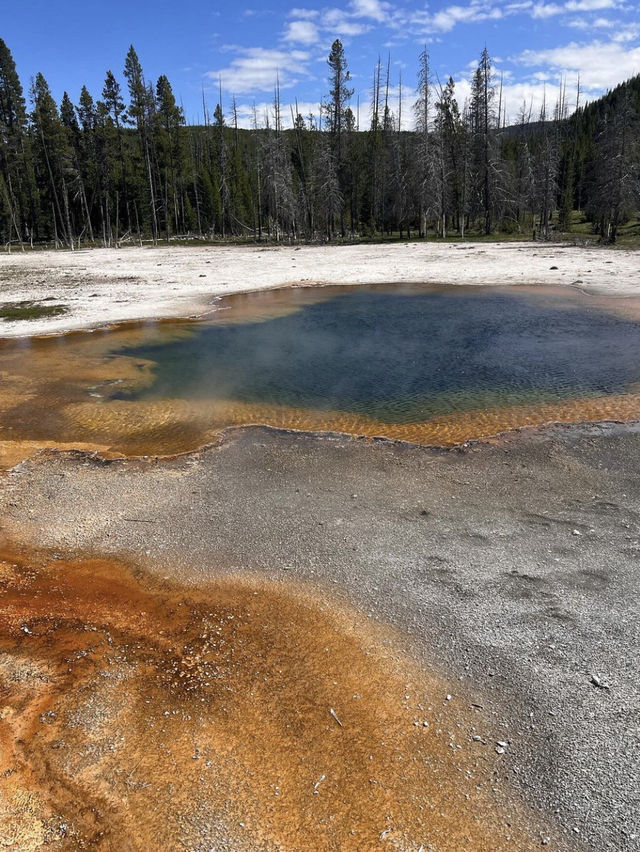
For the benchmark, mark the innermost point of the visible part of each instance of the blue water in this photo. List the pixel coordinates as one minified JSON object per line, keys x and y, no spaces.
{"x":405,"y":355}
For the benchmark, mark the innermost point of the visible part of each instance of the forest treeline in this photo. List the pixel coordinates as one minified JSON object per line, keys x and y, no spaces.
{"x":126,"y":166}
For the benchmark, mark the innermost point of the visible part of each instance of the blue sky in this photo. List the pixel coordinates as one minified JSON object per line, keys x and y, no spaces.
{"x":534,"y":43}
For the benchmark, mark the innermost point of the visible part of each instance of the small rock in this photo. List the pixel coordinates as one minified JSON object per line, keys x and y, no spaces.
{"x":553,"y":267}
{"x":500,"y":750}
{"x":595,"y":680}
{"x":576,"y":532}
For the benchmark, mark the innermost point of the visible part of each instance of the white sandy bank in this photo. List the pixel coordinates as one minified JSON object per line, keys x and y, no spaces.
{"x":102,"y":286}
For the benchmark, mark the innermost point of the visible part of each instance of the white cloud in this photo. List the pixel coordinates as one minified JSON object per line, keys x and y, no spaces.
{"x":597,"y":24}
{"x":546,"y":10}
{"x":341,"y":24}
{"x":519,"y":96}
{"x":374,"y":9}
{"x":542,"y":10}
{"x":422,"y":21}
{"x":626,"y":32}
{"x":600,"y":65}
{"x":446,"y":19}
{"x":304,"y":14}
{"x":256,"y":68}
{"x":301,"y":32}
{"x":263,"y":112}
{"x":590,"y":5}
{"x":353,"y":20}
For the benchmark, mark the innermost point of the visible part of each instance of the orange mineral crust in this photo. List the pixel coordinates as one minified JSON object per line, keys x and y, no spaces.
{"x":136,"y":714}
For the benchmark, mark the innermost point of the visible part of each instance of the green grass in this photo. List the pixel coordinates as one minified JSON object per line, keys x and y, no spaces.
{"x":582,"y":231}
{"x":30,"y":311}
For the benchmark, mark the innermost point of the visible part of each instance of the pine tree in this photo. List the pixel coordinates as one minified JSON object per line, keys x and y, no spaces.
{"x":75,"y":182}
{"x":53,"y":158}
{"x":16,"y":165}
{"x":103,"y":167}
{"x":116,"y":162}
{"x":141,"y":105}
{"x":168,"y":144}
{"x":616,"y":168}
{"x":424,"y":164}
{"x":483,"y":124}
{"x":339,"y":96}
{"x":221,"y":162}
{"x":451,"y":132}
{"x":546,"y":171}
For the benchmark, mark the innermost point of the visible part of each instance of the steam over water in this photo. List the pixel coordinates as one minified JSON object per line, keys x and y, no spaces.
{"x":403,"y":355}
{"x":432,"y":365}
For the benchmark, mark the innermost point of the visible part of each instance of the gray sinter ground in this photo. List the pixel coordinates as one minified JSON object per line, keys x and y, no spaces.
{"x":511,"y":566}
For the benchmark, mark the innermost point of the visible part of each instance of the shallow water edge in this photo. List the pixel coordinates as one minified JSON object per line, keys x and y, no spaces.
{"x":109,"y":392}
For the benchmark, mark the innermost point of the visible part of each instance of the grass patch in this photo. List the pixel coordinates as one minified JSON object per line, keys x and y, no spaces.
{"x":30,"y":311}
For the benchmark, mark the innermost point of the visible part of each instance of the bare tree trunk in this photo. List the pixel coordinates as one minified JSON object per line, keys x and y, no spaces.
{"x":154,"y":218}
{"x":86,"y":211}
{"x":13,"y":216}
{"x":135,"y":207}
{"x":55,"y":227}
{"x":65,"y":198}
{"x":53,"y":190}
{"x":115,"y":242}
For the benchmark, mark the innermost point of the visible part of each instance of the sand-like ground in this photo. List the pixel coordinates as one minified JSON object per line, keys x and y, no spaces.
{"x":503,"y":575}
{"x":103,"y":286}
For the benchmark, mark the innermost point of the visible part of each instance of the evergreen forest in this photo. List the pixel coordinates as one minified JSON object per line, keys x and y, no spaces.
{"x":123,"y":166}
